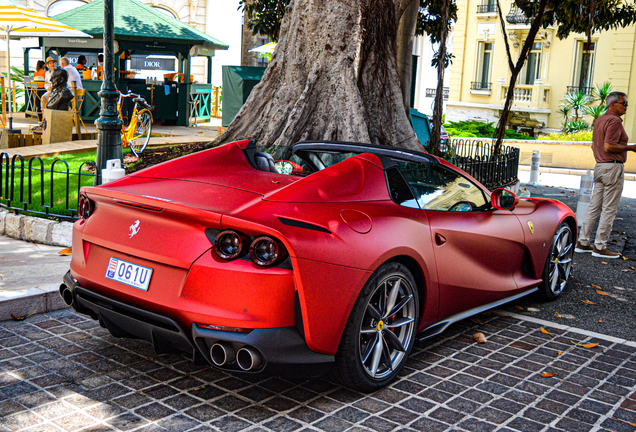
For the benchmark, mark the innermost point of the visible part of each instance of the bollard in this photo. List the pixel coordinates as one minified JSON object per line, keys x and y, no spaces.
{"x":113,"y":171}
{"x":585,"y":194}
{"x":534,"y":167}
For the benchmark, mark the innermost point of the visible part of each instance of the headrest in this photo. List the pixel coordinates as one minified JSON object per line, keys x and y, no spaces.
{"x":265,"y":162}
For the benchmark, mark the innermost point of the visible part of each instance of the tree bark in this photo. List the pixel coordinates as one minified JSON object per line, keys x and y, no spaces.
{"x":439,"y":95}
{"x":405,"y":39}
{"x":334,"y":76}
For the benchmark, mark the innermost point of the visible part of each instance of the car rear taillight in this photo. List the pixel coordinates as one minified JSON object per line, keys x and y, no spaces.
{"x":265,"y":251}
{"x":85,"y":207}
{"x":230,"y":244}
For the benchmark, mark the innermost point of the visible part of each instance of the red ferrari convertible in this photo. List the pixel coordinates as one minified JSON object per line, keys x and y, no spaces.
{"x":341,"y":256}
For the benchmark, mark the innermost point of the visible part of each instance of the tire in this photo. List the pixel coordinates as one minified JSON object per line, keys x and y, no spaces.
{"x":377,"y":342}
{"x":558,"y":265}
{"x":143,"y":129}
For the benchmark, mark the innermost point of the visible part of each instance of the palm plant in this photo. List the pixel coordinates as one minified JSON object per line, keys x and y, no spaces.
{"x":575,"y":126}
{"x":577,"y":101}
{"x":601,"y":91}
{"x":17,"y":76}
{"x":564,"y":110}
{"x":595,"y":111}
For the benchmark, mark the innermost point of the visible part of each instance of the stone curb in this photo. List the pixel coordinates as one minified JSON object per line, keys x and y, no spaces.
{"x":35,"y":229}
{"x":22,"y":303}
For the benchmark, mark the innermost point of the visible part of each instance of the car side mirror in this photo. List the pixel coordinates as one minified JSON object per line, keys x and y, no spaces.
{"x":503,"y":199}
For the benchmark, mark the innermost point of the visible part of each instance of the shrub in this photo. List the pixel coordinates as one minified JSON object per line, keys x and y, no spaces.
{"x":584,"y":135}
{"x":477,"y":129}
{"x":575,"y":126}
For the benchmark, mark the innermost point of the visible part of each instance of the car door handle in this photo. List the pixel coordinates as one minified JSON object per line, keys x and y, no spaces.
{"x":439,"y":239}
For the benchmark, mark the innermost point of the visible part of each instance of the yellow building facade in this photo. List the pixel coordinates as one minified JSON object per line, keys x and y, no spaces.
{"x":480,"y":73}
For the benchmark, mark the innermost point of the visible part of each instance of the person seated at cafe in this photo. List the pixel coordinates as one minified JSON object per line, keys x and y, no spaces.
{"x":51,"y":64}
{"x":39,"y":78}
{"x":81,"y":63}
{"x":73,"y":74}
{"x":39,"y":74}
{"x":100,"y":66}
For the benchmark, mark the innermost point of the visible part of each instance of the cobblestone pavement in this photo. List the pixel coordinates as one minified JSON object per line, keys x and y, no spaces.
{"x":62,"y":372}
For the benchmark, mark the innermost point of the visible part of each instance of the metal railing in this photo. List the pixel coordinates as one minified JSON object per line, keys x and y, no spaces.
{"x":477,"y":159}
{"x":478,"y":85}
{"x":29,"y":187}
{"x":487,"y":8}
{"x":585,"y":90}
{"x":516,"y":16}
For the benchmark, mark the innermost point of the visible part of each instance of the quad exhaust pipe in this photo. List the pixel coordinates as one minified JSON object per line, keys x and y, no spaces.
{"x":222,"y":354}
{"x":66,"y":294}
{"x":249,"y":359}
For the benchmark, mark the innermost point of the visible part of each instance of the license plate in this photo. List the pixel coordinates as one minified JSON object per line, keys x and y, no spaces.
{"x":128,"y":273}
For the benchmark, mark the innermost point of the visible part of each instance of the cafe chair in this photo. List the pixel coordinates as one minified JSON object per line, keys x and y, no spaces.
{"x":36,"y":102}
{"x":78,"y":109}
{"x":194,"y":103}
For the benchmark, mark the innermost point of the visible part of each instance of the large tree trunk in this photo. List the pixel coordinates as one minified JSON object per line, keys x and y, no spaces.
{"x":333,"y":76}
{"x":405,"y":41}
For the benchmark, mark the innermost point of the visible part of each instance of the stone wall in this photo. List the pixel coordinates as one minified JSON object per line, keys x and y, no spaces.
{"x":36,"y":230}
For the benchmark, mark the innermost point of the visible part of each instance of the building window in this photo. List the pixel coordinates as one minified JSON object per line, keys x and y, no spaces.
{"x":487,"y":6}
{"x":532,"y":68}
{"x":584,"y":66}
{"x":62,"y":6}
{"x":482,"y":72}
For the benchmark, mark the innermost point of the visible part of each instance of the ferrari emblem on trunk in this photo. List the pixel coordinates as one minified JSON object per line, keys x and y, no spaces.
{"x":134,"y":228}
{"x":530,"y":225}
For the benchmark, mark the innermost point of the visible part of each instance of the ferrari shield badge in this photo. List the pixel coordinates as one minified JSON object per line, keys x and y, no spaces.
{"x":531,"y":226}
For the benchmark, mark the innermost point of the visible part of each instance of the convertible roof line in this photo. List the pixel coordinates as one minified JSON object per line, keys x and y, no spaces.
{"x":353,"y":147}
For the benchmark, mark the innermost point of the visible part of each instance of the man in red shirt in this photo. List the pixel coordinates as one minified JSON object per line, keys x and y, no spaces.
{"x":609,"y":144}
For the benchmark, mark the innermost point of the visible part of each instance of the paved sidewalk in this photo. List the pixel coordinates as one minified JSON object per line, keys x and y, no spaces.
{"x":30,"y":277}
{"x":61,"y":371}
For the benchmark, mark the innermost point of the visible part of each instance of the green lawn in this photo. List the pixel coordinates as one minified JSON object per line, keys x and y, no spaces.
{"x":36,"y":191}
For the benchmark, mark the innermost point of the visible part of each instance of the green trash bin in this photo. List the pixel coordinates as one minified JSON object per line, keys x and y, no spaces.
{"x":238,"y":82}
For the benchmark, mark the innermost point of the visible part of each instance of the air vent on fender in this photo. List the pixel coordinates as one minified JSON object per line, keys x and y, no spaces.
{"x":299,"y":224}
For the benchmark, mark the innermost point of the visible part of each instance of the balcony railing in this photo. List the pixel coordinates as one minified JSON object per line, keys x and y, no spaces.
{"x":585,"y":90}
{"x":487,"y":8}
{"x":531,"y":96}
{"x":478,"y":85}
{"x":516,"y":16}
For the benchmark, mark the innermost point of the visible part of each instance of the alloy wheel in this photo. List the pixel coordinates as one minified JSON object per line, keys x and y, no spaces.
{"x":561,"y":259}
{"x":386,"y":331}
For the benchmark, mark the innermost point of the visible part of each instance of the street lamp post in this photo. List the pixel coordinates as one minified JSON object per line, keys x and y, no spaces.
{"x":108,"y":123}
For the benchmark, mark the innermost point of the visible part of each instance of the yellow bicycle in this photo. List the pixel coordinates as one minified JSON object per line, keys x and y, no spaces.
{"x":136,"y":133}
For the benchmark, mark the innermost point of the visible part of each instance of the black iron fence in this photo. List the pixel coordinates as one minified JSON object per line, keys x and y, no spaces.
{"x":477,"y":159}
{"x":35,"y":188}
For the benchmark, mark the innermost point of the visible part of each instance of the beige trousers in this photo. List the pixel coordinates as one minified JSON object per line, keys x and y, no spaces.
{"x":608,"y":187}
